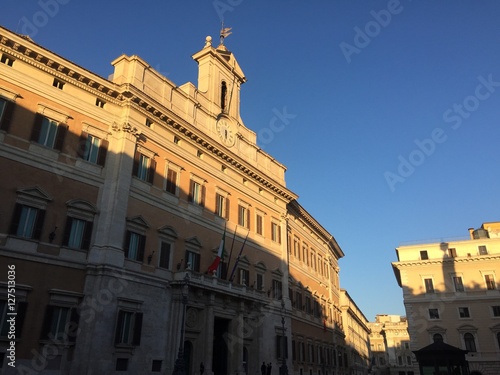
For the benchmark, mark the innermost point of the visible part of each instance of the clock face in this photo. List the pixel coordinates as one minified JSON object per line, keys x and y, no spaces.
{"x":226,"y":132}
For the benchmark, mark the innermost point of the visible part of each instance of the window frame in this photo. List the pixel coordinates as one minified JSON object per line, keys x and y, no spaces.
{"x":41,"y":131}
{"x":275,"y":231}
{"x":429,"y":285}
{"x":134,"y":323}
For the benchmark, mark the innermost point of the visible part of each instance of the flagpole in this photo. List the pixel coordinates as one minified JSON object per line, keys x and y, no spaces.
{"x":230,"y":253}
{"x":238,"y":259}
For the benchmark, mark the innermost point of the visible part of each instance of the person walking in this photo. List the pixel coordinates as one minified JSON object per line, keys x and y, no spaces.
{"x":269,"y":368}
{"x":263,"y":368}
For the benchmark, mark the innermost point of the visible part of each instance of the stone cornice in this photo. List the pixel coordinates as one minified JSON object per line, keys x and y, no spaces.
{"x":428,"y":262}
{"x":24,"y":49}
{"x":326,"y":236}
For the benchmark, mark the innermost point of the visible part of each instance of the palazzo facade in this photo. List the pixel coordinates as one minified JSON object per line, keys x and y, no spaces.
{"x":116,"y":196}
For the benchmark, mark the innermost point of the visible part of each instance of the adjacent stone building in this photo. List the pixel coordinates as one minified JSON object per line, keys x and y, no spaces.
{"x":451,"y":294}
{"x":117,"y":195}
{"x":390,"y":346}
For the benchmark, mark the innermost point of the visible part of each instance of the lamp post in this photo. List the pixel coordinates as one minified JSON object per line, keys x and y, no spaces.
{"x":283,"y":368}
{"x":180,"y":365}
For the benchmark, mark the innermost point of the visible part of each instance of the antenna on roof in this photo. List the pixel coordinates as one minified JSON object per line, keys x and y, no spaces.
{"x":224,"y":32}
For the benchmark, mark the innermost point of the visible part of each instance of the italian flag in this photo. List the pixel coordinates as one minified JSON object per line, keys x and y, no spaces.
{"x":220,"y":254}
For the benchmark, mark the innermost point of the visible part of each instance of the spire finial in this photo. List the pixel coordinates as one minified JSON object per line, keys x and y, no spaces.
{"x":224,"y":32}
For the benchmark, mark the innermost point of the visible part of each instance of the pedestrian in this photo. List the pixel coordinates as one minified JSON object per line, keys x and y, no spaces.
{"x":202,"y":368}
{"x":263,"y":368}
{"x":269,"y":368}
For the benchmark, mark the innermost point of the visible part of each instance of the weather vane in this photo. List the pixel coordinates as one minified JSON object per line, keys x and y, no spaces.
{"x":224,"y":33}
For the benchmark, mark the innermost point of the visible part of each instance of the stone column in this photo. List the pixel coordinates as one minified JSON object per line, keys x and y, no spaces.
{"x":114,"y":197}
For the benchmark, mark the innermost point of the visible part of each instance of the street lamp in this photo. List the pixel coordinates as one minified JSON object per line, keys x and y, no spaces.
{"x":283,"y":368}
{"x":180,"y":365}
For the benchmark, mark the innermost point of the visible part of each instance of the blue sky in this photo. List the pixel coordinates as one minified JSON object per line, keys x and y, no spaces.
{"x":389,"y":109}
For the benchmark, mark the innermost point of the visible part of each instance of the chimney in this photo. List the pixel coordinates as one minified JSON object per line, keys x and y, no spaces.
{"x":471,"y":233}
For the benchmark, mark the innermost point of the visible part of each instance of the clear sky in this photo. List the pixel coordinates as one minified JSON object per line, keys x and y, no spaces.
{"x":387,"y":111}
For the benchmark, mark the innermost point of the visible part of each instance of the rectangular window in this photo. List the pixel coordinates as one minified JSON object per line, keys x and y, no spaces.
{"x":60,"y":323}
{"x":171,"y":186}
{"x":259,"y":226}
{"x":221,"y":206}
{"x":260,"y":281}
{"x":77,"y":233}
{"x":277,"y":289}
{"x":193,"y":260}
{"x":128,"y":328}
{"x":296,"y":248}
{"x":275,"y":232}
{"x":134,"y":246}
{"x":156,"y":365}
{"x":121,"y":364}
{"x":429,"y":286}
{"x":496,"y":310}
{"x":490,"y":282}
{"x":100,"y":103}
{"x":7,"y":60}
{"x":144,"y":167}
{"x":243,"y":216}
{"x":93,"y":149}
{"x":197,"y":193}
{"x":424,"y":255}
{"x":6,"y":109}
{"x":433,"y":313}
{"x":452,"y":252}
{"x":298,"y":300}
{"x":459,"y":285}
{"x":281,"y":347}
{"x":164,"y":255}
{"x":308,"y":305}
{"x":408,"y":360}
{"x":27,"y":221}
{"x":48,"y":133}
{"x":58,"y":84}
{"x":463,"y":312}
{"x":482,"y":250}
{"x":243,"y":276}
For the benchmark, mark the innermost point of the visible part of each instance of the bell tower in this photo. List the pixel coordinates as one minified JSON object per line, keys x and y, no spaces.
{"x":220,"y":78}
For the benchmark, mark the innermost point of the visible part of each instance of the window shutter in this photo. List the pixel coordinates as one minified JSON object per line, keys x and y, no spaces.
{"x":37,"y":127}
{"x":21,"y":315}
{"x":203,"y":192}
{"x":37,"y":230}
{"x":60,"y":135}
{"x":75,"y":319}
{"x":87,"y":235}
{"x":142,"y":246}
{"x":16,"y":216}
{"x":82,"y":145}
{"x":279,"y":233}
{"x":119,"y":326}
{"x":127,"y":243}
{"x":137,"y":329}
{"x":239,"y":215}
{"x":152,"y":170}
{"x":227,"y":209}
{"x":103,"y":151}
{"x":217,"y":203}
{"x":248,"y":218}
{"x":191,"y":189}
{"x":47,"y":322}
{"x":7,"y":115}
{"x":135,"y":169}
{"x":67,"y":231}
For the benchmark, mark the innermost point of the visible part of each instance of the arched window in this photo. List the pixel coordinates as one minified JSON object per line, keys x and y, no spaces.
{"x":437,"y":337}
{"x":470,"y":343}
{"x":223,"y":92}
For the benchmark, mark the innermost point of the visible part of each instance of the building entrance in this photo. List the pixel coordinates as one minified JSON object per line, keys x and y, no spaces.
{"x":220,"y":350}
